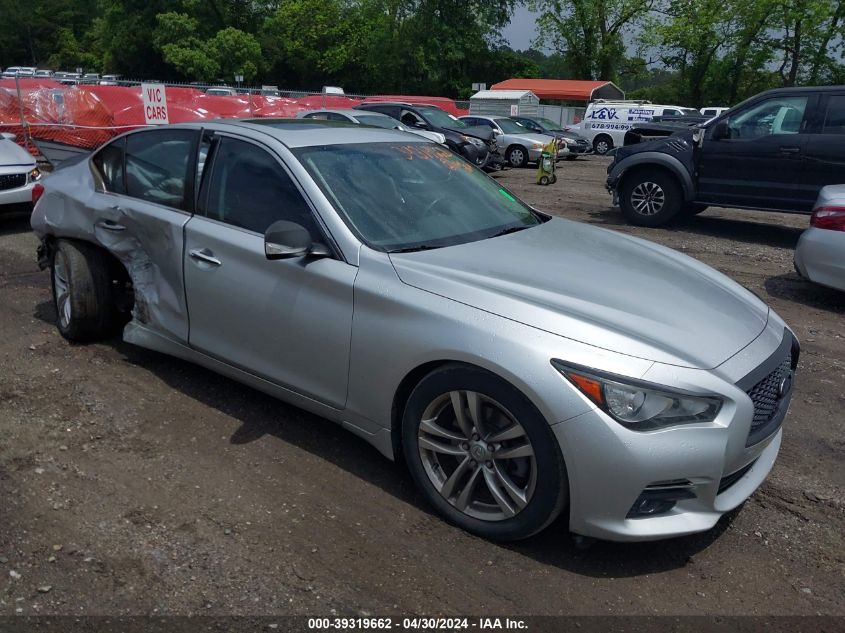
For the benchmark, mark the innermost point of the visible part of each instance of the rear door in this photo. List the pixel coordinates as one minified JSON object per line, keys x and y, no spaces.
{"x":288,"y":321}
{"x":825,"y":164}
{"x":143,"y":202}
{"x":762,"y":162}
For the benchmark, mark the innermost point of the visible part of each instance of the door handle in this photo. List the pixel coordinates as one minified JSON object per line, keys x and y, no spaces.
{"x":110,"y":225}
{"x":204,"y":255}
{"x":789,"y":150}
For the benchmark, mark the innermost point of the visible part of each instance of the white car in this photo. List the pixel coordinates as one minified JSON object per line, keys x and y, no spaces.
{"x":713,"y":111}
{"x":820,"y":254}
{"x":18,"y":174}
{"x":605,"y":122}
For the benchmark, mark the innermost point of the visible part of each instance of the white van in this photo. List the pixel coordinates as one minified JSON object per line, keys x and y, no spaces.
{"x":713,"y":110}
{"x":605,"y":122}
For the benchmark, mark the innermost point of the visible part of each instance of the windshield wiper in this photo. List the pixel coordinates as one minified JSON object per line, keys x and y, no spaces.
{"x":411,"y":249}
{"x":510,"y":229}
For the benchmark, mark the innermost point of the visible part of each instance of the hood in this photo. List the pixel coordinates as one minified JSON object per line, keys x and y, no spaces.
{"x":597,"y":287}
{"x":478,"y":131}
{"x":12,"y":154}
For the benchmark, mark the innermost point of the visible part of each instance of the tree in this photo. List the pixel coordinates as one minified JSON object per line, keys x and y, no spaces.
{"x":588,"y":33}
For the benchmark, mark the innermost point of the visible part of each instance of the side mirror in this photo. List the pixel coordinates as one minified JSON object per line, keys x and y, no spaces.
{"x":8,"y":136}
{"x":284,"y":239}
{"x":497,"y":132}
{"x":720,"y":130}
{"x":421,"y":125}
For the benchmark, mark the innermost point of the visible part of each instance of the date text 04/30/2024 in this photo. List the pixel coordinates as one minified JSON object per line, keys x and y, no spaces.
{"x":416,"y":624}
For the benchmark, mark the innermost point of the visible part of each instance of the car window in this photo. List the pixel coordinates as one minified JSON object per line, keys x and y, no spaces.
{"x":109,"y":162}
{"x":158,"y":165}
{"x":777,"y":115}
{"x":334,"y":116}
{"x":251,"y":190}
{"x":510,"y":127}
{"x":315,"y":115}
{"x":670,"y":112}
{"x":410,"y":119}
{"x":834,"y":119}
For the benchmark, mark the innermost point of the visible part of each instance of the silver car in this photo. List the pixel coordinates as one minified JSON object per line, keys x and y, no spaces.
{"x":820,"y":254}
{"x":522,"y":366}
{"x":518,"y":144}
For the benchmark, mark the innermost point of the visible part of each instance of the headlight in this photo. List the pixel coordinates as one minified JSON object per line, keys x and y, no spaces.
{"x":475,"y":141}
{"x":638,"y":405}
{"x":35,"y":175}
{"x":570,"y":141}
{"x":536,"y":146}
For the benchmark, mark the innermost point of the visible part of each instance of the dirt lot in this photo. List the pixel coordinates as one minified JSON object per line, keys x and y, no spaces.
{"x":133,"y":483}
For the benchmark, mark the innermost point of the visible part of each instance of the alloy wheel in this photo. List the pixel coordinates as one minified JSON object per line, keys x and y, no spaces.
{"x":602,"y":147}
{"x":517,"y":158}
{"x":62,"y":289}
{"x":648,"y":198}
{"x":477,"y":455}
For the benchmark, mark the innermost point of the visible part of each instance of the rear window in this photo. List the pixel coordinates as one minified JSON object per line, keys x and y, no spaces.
{"x":158,"y":164}
{"x":834,"y":120}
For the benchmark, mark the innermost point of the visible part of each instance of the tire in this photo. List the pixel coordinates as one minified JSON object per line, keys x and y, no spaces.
{"x":545,"y":180}
{"x":650,"y":197}
{"x":517,"y":156}
{"x":602,"y":144}
{"x":83,"y":292}
{"x":693,"y":208}
{"x":535,"y":473}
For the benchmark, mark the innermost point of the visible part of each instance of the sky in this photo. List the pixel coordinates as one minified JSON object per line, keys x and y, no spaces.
{"x":521,"y":30}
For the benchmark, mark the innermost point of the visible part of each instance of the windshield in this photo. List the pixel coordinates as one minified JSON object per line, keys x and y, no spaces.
{"x":377,"y":121}
{"x":509,"y":126}
{"x":438,"y":117}
{"x":405,"y":196}
{"x":550,"y":125}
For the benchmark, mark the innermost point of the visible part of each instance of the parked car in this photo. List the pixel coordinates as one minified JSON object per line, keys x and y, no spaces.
{"x":375,"y":119}
{"x":90,"y":79}
{"x":67,"y":78}
{"x":43,"y":74}
{"x":110,"y":80}
{"x":712,"y":111}
{"x":476,"y":144}
{"x":518,"y":145}
{"x":221,"y":91}
{"x":13,"y":71}
{"x":605,"y":122}
{"x":820,"y":254}
{"x":773,"y":152}
{"x":575,"y":143}
{"x":18,"y":175}
{"x":378,"y":280}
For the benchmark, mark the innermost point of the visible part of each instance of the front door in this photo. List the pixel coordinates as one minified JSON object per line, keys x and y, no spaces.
{"x":288,"y":321}
{"x":761,"y":162}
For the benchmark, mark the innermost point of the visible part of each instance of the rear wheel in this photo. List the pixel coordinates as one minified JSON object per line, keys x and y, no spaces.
{"x":650,"y":197}
{"x":602,"y":144}
{"x":482,"y":454}
{"x":83,"y":292}
{"x":517,"y":156}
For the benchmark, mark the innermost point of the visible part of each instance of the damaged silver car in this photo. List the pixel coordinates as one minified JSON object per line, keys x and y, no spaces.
{"x":522,"y":366}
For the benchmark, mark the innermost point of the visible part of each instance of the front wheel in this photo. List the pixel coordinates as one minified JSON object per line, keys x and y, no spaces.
{"x":482,"y":454}
{"x":517,"y":156}
{"x":650,"y":197}
{"x":602,"y":144}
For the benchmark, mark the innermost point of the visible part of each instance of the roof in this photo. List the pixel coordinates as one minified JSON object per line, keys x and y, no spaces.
{"x":502,"y":94}
{"x":563,"y":89}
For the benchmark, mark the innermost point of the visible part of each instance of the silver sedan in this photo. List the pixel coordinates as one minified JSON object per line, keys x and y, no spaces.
{"x":820,"y":254}
{"x":522,"y":366}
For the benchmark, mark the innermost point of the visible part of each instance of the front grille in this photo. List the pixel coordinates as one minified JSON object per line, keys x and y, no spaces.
{"x":12,"y":181}
{"x":766,"y":394}
{"x":729,"y":480}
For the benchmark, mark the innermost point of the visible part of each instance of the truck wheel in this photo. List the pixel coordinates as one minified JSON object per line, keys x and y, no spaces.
{"x":602,"y":144}
{"x":517,"y":156}
{"x":82,"y":292}
{"x":650,"y":197}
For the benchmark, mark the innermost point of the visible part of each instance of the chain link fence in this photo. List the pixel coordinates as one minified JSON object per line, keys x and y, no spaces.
{"x":45,"y":114}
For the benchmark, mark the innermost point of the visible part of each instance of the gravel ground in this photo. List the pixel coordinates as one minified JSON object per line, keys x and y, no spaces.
{"x":134,"y":483}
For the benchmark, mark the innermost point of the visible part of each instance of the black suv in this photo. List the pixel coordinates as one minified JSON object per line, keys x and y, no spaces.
{"x":772,"y":152}
{"x":475,"y":143}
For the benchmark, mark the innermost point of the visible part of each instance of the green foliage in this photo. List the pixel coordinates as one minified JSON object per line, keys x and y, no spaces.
{"x":690,"y":52}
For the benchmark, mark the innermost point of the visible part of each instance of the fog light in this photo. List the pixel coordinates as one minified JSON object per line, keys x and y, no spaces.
{"x":654,"y":502}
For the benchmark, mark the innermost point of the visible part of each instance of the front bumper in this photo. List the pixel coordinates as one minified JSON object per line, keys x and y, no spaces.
{"x":611,"y":468}
{"x":16,"y":196}
{"x":820,"y":257}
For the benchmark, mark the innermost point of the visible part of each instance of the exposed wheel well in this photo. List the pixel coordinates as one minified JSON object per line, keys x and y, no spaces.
{"x":119,"y":274}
